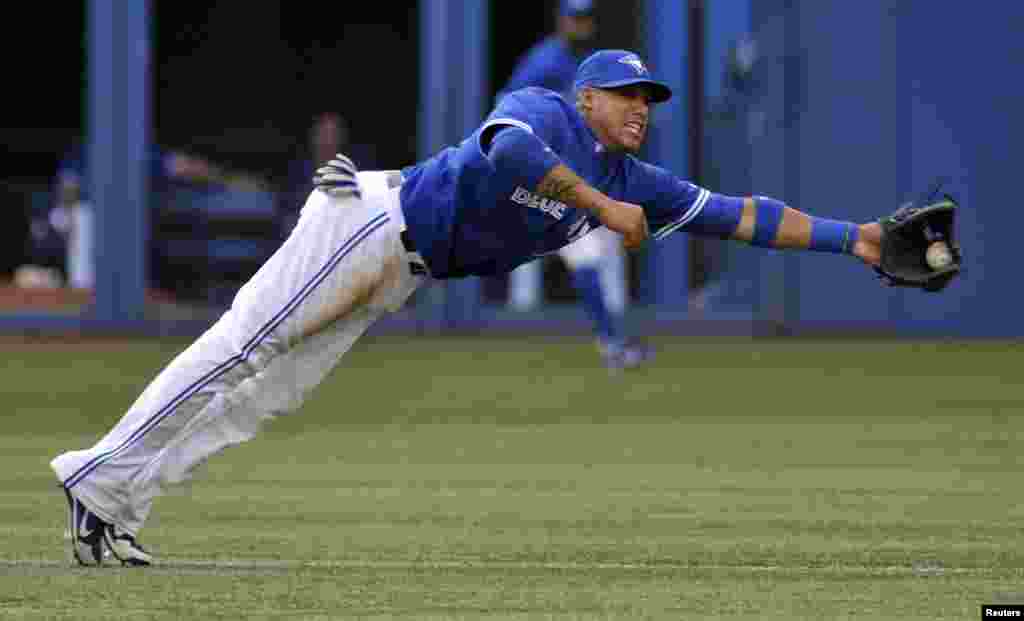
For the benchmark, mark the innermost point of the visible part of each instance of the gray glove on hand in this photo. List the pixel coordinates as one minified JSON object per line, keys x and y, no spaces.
{"x":337,"y":178}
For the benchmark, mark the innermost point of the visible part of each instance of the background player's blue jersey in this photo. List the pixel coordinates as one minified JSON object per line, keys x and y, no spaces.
{"x":550,"y":64}
{"x":468,"y":218}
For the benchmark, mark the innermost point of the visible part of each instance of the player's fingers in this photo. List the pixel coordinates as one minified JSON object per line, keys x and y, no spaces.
{"x":335,"y":167}
{"x":868,"y":252}
{"x":638,"y":226}
{"x":341,"y":192}
{"x":343,"y":167}
{"x":871,"y":231}
{"x":331,"y":180}
{"x":345,"y":158}
{"x":633,"y":239}
{"x":336,"y":183}
{"x":334,"y":171}
{"x":343,"y":162}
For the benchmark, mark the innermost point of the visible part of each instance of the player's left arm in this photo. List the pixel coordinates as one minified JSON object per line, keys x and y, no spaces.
{"x":915,"y":246}
{"x":785,"y":227}
{"x":673,"y":204}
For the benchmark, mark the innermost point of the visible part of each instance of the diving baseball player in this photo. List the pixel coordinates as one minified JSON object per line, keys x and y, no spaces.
{"x":538,"y":174}
{"x":596,"y":262}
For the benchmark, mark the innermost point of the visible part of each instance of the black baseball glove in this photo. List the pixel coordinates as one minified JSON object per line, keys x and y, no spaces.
{"x":906,"y":237}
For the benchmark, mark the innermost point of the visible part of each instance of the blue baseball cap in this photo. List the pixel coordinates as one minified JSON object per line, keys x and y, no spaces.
{"x":575,"y":8}
{"x":615,"y":68}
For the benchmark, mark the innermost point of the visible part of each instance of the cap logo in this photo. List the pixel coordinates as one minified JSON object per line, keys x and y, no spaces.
{"x":635,"y":63}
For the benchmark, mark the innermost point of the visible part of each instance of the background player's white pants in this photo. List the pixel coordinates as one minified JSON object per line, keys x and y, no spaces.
{"x":342,"y":268}
{"x":601,"y":250}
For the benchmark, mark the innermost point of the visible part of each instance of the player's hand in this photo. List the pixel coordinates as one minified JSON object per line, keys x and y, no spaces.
{"x":627,"y":219}
{"x":868,"y":247}
{"x":337,"y":178}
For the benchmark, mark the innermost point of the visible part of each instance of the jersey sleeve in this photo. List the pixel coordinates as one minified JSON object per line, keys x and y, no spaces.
{"x":532,"y":71}
{"x":532,"y":109}
{"x":549,"y":65}
{"x":672,"y":204}
{"x":669,"y":202}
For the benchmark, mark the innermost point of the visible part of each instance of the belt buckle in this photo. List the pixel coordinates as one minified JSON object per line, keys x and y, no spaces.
{"x":416,"y":267}
{"x":407,"y":241}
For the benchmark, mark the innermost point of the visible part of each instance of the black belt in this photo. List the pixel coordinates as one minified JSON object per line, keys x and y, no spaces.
{"x":394,"y":179}
{"x":407,"y":241}
{"x":415,"y":267}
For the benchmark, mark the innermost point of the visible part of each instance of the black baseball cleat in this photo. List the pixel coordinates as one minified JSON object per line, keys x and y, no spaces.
{"x":86,"y":530}
{"x":125,"y":548}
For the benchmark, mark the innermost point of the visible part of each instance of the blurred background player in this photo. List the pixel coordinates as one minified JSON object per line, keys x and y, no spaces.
{"x":596,"y":263}
{"x":62,"y":238}
{"x":551,"y":64}
{"x":328,"y":134}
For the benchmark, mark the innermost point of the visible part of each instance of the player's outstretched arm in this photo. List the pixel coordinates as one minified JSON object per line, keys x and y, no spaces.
{"x":795,"y":229}
{"x":770,"y":223}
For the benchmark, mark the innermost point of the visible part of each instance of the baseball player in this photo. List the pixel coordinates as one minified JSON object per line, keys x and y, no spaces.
{"x":539,"y":173}
{"x":551,"y":64}
{"x":596,"y":262}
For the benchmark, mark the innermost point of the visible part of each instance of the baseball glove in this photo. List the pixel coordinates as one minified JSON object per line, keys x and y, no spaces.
{"x":906,"y":236}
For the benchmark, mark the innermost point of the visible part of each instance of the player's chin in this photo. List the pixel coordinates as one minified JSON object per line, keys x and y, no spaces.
{"x":631,"y":144}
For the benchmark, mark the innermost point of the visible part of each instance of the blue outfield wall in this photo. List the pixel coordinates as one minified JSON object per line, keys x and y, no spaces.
{"x":853,"y":108}
{"x":664,"y":280}
{"x":119,"y":111}
{"x":865,"y":104}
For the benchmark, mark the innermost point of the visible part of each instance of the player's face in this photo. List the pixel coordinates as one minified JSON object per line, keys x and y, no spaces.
{"x":620,"y":116}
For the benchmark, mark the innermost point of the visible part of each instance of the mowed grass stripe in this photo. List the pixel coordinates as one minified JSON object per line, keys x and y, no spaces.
{"x":179,"y":565}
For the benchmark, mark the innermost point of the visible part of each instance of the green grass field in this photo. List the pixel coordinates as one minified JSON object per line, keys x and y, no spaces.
{"x":514,"y":479}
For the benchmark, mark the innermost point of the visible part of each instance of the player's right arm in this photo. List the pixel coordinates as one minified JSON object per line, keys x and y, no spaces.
{"x":514,"y":147}
{"x":562,"y":184}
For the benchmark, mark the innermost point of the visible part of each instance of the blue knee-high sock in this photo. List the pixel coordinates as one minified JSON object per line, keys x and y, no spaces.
{"x":587,"y":281}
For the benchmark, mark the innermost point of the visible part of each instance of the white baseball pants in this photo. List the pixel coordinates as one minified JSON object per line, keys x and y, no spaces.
{"x":342,"y":267}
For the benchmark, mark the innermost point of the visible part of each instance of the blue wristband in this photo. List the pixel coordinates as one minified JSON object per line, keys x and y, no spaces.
{"x":767,"y":219}
{"x":833,"y":236}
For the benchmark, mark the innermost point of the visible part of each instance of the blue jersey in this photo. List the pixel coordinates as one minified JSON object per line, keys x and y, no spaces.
{"x":468,"y":218}
{"x":550,"y":64}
